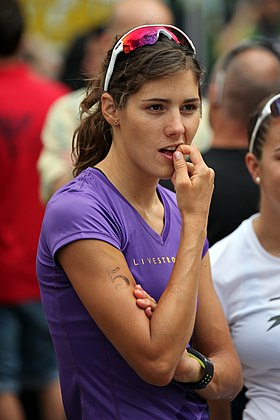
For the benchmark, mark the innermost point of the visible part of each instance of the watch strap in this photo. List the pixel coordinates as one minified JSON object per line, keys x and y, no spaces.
{"x":206,"y":365}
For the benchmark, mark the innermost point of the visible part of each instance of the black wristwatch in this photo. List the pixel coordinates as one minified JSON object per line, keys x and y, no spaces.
{"x":206,"y":365}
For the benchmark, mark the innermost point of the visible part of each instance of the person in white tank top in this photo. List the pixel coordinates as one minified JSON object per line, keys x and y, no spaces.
{"x":246,"y":271}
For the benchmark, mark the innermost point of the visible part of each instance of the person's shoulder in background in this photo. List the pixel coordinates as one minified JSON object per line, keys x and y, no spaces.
{"x":55,"y":164}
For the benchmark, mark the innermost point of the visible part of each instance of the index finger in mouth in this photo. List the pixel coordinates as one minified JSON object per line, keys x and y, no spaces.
{"x":193,"y":152}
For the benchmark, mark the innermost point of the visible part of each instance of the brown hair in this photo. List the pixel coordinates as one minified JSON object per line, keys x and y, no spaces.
{"x":93,"y":138}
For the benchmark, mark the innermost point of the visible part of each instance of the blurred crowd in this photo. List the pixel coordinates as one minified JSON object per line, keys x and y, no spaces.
{"x":41,"y":87}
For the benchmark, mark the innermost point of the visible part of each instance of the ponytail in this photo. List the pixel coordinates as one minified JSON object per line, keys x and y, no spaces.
{"x":93,"y":138}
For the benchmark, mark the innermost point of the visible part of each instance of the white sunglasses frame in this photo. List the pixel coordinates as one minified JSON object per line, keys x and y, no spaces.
{"x":265,"y":112}
{"x":118,"y":48}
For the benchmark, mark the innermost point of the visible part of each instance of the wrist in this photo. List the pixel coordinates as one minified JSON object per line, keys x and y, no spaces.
{"x":193,"y":234}
{"x":206,"y":371}
{"x":195,"y":224}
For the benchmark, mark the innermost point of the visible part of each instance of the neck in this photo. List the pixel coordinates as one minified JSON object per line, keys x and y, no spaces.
{"x":139,"y":191}
{"x":228,"y":133}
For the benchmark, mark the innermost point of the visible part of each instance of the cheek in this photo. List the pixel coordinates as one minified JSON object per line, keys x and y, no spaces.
{"x":191,"y":129}
{"x":270,"y":176}
{"x":197,"y":123}
{"x":276,"y":176}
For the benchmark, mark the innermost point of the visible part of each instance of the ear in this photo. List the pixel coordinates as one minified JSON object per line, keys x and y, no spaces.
{"x":253,"y":167}
{"x":109,"y":110}
{"x":216,"y":87}
{"x":211,"y":94}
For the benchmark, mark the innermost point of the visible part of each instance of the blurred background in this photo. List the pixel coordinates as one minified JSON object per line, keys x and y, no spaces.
{"x":214,"y":26}
{"x":53,"y":25}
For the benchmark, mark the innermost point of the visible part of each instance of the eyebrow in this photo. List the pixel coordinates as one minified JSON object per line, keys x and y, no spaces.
{"x":190,"y":100}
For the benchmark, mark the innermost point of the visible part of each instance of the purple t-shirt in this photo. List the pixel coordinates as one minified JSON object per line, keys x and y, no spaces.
{"x":96,"y":381}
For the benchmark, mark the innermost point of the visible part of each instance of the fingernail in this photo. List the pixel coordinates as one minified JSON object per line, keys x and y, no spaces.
{"x":177,"y":155}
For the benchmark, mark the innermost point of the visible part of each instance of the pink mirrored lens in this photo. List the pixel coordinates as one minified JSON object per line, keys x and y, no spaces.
{"x":144,"y":36}
{"x":275,"y":108}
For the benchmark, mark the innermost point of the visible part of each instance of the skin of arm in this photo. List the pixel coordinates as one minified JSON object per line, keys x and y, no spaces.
{"x":212,"y":339}
{"x":103,"y":281}
{"x":105,"y":286}
{"x":220,"y":410}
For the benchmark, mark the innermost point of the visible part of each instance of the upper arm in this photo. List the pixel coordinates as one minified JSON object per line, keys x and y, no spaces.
{"x":220,"y":410}
{"x":212,"y":337}
{"x":101,"y":278}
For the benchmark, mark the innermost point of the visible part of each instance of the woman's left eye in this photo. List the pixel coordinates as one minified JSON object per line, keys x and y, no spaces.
{"x":189,"y":107}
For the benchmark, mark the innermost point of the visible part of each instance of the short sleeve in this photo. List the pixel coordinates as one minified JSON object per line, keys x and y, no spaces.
{"x":75,"y":218}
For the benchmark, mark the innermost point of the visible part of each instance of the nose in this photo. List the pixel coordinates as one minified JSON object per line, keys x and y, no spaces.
{"x":174,"y":125}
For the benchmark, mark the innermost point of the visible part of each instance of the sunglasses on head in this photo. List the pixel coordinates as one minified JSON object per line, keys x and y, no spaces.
{"x":272,"y":107}
{"x":141,"y":36}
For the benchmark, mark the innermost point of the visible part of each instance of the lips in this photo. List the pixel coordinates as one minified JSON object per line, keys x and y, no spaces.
{"x":168,"y":150}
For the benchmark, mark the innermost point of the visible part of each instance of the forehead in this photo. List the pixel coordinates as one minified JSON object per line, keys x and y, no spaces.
{"x":273,"y":134}
{"x":183,"y":83}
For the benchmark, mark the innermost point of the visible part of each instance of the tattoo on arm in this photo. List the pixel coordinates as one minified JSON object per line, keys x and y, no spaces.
{"x":119,"y":280}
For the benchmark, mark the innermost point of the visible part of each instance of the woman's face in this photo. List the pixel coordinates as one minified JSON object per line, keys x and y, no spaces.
{"x":269,"y":165}
{"x":163,"y":114}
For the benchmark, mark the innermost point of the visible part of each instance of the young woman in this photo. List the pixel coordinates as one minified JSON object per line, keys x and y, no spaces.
{"x":250,"y":292}
{"x":113,"y":227}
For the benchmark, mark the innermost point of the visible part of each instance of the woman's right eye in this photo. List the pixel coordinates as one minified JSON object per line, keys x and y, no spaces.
{"x":156,"y":107}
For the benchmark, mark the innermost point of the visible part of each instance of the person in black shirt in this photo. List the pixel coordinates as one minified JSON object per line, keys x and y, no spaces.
{"x":241,"y":79}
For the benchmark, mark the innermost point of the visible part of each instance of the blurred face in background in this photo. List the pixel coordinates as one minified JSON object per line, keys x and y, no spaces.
{"x":126,"y":14}
{"x":269,"y":165}
{"x":93,"y":55}
{"x":270,"y":12}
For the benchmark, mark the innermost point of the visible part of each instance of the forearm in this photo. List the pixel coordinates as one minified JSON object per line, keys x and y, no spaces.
{"x":211,"y":337}
{"x":227,"y":381}
{"x":172,"y":323}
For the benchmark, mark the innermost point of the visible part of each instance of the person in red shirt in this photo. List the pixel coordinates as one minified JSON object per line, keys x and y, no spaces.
{"x":27,"y":359}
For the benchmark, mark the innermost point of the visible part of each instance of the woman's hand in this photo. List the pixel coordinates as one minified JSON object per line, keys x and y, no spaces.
{"x":193,"y":182}
{"x":144,"y":300}
{"x":188,"y":370}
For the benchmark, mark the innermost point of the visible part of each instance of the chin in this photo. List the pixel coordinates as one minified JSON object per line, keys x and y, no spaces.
{"x":167,"y":174}
{"x":166,"y":177}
